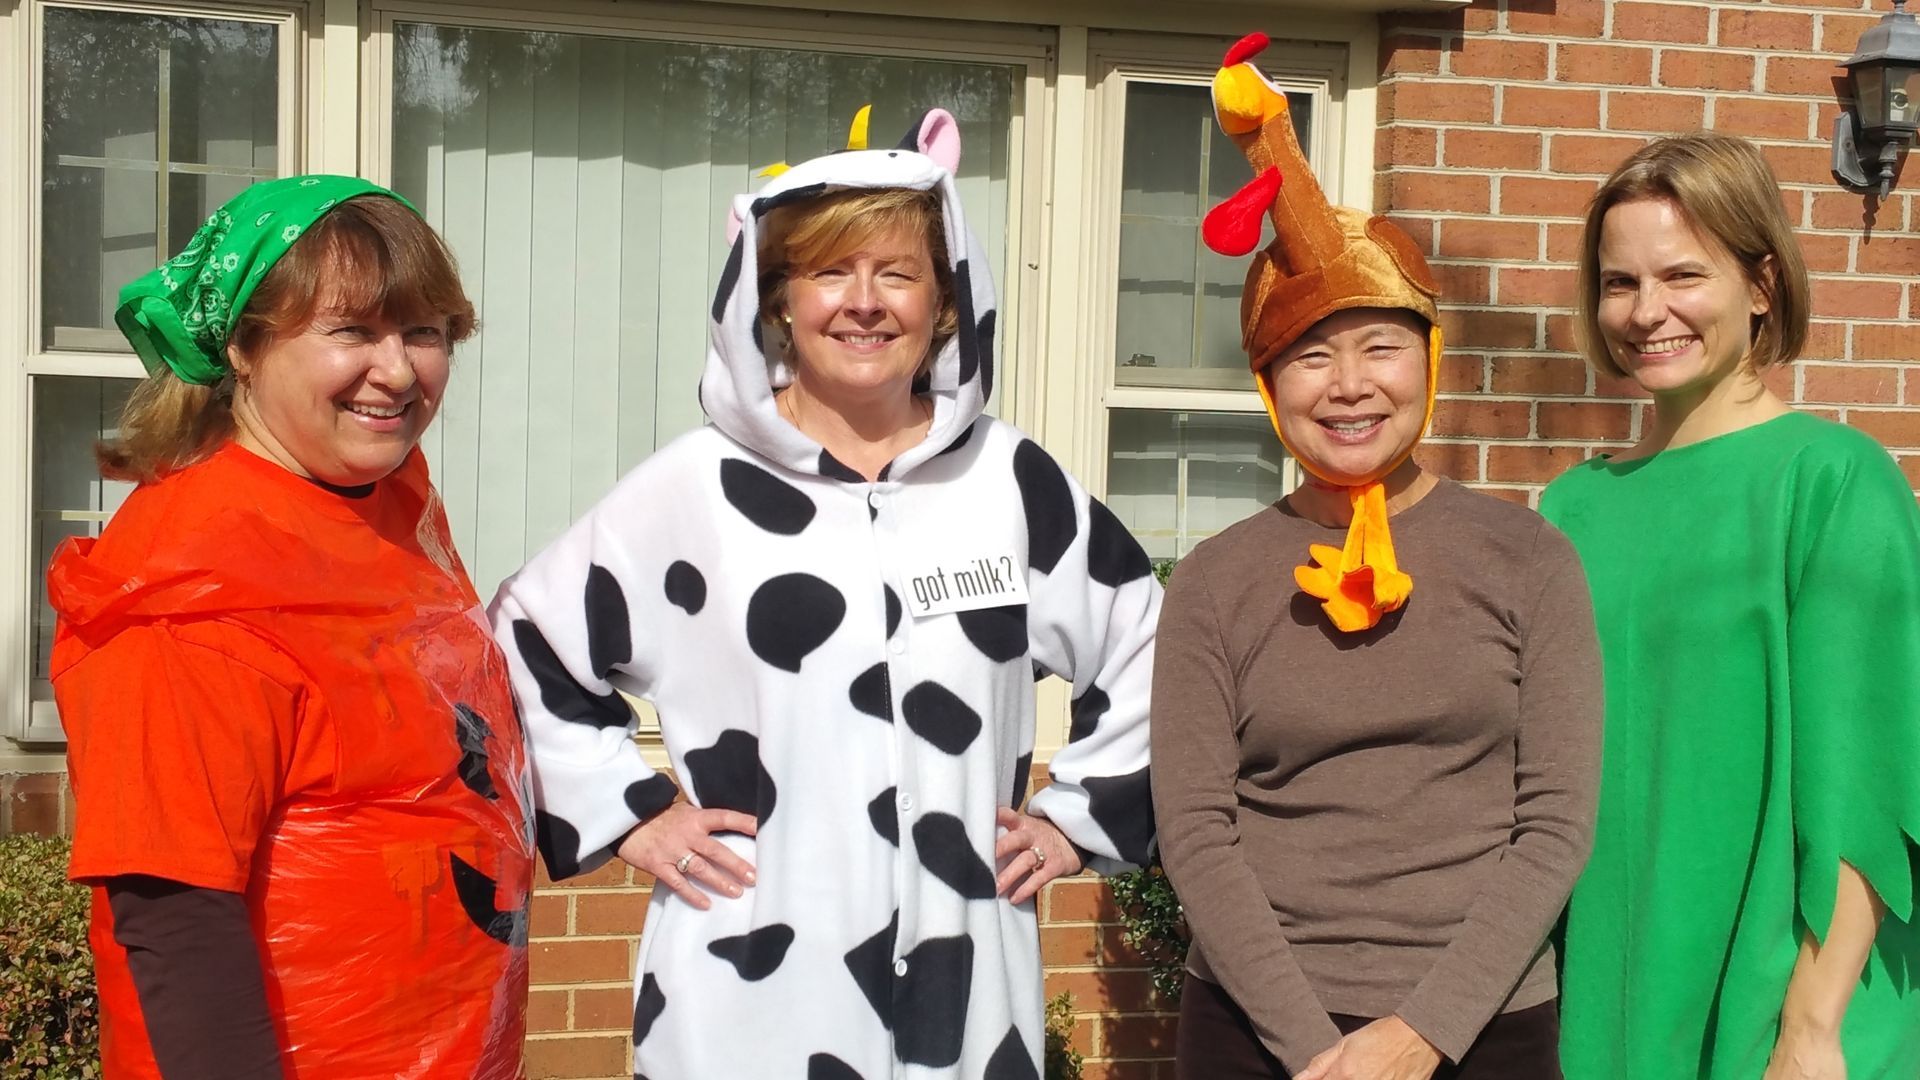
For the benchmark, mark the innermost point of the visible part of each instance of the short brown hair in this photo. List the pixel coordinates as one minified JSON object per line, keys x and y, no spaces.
{"x":369,"y":254}
{"x":819,"y":231}
{"x":1723,"y":188}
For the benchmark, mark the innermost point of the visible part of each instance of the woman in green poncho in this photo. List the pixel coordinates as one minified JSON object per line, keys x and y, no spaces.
{"x":1748,"y":911}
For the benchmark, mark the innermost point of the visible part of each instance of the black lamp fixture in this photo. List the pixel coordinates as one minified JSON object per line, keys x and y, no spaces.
{"x":1885,"y":72}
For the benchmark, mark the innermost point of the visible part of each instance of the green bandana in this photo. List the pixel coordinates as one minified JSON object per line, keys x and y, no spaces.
{"x":180,"y":315}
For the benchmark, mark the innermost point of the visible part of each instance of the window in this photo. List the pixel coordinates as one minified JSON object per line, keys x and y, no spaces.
{"x":1189,"y":450}
{"x":148,"y":123}
{"x":583,"y":183}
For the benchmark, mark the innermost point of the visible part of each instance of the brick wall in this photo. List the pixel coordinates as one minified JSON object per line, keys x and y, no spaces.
{"x":1497,"y":123}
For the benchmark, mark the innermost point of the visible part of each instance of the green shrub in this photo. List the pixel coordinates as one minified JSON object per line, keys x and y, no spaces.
{"x":1154,"y":925}
{"x":1062,"y":1060}
{"x":49,"y":1009}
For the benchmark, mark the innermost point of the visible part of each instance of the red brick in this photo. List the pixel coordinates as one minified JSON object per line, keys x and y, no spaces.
{"x":1407,"y":99}
{"x":1841,"y":210}
{"x":1457,"y":193}
{"x":1666,"y":23}
{"x":611,"y":873}
{"x":1138,"y":1036}
{"x":1539,"y":376}
{"x":1563,"y":242}
{"x":1480,"y":329}
{"x":1796,"y":75}
{"x":1839,"y":34}
{"x":549,"y":915}
{"x":1887,"y":341}
{"x":1745,"y":28}
{"x":1489,"y":238}
{"x":1114,"y":950}
{"x":1084,"y":1034}
{"x":1825,"y":341}
{"x":1560,"y":334}
{"x":1480,"y":419}
{"x":1530,"y":464}
{"x":1589,"y":420}
{"x":1851,"y":298}
{"x":597,"y":914}
{"x":1463,"y":283}
{"x":1826,"y":253}
{"x":1561,"y":18}
{"x":1539,"y":106}
{"x":608,"y":1009}
{"x":1454,"y":460}
{"x":1910,"y":464}
{"x":1596,"y":155}
{"x":1893,"y":429}
{"x":1420,"y":228}
{"x":1533,"y":196}
{"x":546,"y":1011}
{"x":1800,"y":164}
{"x":1703,"y":70}
{"x":1846,"y":384}
{"x":577,"y":1055}
{"x":1462,"y":373}
{"x":1069,"y":946}
{"x":1517,"y":496}
{"x":33,"y":804}
{"x":1123,"y":990}
{"x":1613,"y":65}
{"x":571,"y":961}
{"x":1497,"y":58}
{"x":1080,"y":900}
{"x":1781,"y":379}
{"x":1410,"y":54}
{"x":1884,"y":254}
{"x":1605,"y":386}
{"x":1479,"y":148}
{"x":1398,"y":145}
{"x":1664,"y":113}
{"x":1761,"y":118}
{"x":1480,"y":16}
{"x":1526,"y":286}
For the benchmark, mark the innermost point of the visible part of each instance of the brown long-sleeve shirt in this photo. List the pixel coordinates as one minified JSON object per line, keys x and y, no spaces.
{"x":1386,"y":822}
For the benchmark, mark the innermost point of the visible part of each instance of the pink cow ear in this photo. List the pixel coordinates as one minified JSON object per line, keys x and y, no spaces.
{"x":939,"y":139}
{"x":733,"y":225}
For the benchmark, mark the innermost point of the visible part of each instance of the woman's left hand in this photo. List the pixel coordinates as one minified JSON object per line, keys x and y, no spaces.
{"x":1387,"y":1049}
{"x":1039,"y":853}
{"x":1806,"y":1053}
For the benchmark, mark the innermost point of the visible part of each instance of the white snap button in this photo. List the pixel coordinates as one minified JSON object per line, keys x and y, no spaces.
{"x":898,"y":645}
{"x":905,"y":802}
{"x":900,"y":967}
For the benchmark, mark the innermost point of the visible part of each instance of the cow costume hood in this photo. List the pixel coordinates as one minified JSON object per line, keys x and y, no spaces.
{"x":737,"y":388}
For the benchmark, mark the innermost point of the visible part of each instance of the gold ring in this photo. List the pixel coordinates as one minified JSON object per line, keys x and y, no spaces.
{"x":1039,"y":857}
{"x":685,"y":861}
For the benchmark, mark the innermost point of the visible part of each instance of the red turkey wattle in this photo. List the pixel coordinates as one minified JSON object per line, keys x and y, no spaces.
{"x":1233,"y":227}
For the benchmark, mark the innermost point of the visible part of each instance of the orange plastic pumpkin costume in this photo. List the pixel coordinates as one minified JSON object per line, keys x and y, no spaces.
{"x":271,"y":689}
{"x":1322,"y":259}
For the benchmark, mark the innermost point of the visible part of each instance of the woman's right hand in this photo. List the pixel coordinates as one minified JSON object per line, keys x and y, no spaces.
{"x":682,"y":835}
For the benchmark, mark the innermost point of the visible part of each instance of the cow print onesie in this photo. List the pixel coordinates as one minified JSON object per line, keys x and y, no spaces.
{"x":757,"y":592}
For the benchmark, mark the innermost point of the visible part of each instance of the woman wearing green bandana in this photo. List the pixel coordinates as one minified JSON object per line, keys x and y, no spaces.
{"x":300,"y":784}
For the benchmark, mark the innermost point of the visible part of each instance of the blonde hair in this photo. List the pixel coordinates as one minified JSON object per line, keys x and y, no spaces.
{"x":820,"y":231}
{"x":1723,"y":188}
{"x":367,"y":255}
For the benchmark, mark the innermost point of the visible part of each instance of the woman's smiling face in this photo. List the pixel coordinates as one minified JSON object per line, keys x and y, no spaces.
{"x":866,"y":320}
{"x":1350,"y":394}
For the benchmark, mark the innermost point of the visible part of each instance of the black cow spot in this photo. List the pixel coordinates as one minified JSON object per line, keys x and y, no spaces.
{"x":559,"y":844}
{"x":932,"y":1002}
{"x":782,"y":198}
{"x":475,"y":890}
{"x":1114,"y":557}
{"x":871,"y":965}
{"x":560,"y":692}
{"x":869,"y":692}
{"x":893,"y":611}
{"x":729,"y":776}
{"x":998,"y":632}
{"x":828,"y":1067}
{"x":648,"y":797}
{"x":960,"y":440}
{"x":885,"y":821}
{"x":686,"y":587}
{"x":938,"y":716}
{"x":1123,"y":808}
{"x":1022,"y":777}
{"x":986,"y":354}
{"x":729,"y":277}
{"x":1088,"y":709}
{"x":765,"y":499}
{"x":945,"y":851}
{"x":1011,"y":1060}
{"x":832,"y":469}
{"x":647,"y":1008}
{"x":471,"y":731}
{"x":757,"y":954}
{"x":609,"y":630}
{"x":1048,"y":501}
{"x":790,"y":616}
{"x":969,"y":338}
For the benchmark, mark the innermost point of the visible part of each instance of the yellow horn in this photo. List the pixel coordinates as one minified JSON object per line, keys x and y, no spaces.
{"x":857,"y":134}
{"x":774,"y":169}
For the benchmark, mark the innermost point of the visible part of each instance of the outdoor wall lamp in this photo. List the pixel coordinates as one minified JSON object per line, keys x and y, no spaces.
{"x":1885,"y":73}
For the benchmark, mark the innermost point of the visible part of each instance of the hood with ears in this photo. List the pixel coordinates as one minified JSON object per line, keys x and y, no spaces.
{"x":738,"y":385}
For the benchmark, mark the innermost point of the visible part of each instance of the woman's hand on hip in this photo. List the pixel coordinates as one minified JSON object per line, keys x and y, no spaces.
{"x":1805,"y":1052}
{"x":678,"y":847}
{"x":1387,"y":1049}
{"x":1031,"y":852}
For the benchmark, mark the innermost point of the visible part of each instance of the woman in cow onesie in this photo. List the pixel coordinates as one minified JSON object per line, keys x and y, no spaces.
{"x":838,"y":595}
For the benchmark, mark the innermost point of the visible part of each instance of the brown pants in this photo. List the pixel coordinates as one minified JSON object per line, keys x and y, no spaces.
{"x":1216,"y":1041}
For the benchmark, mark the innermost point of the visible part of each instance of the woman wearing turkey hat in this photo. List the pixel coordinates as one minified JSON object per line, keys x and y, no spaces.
{"x":1373,"y":798}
